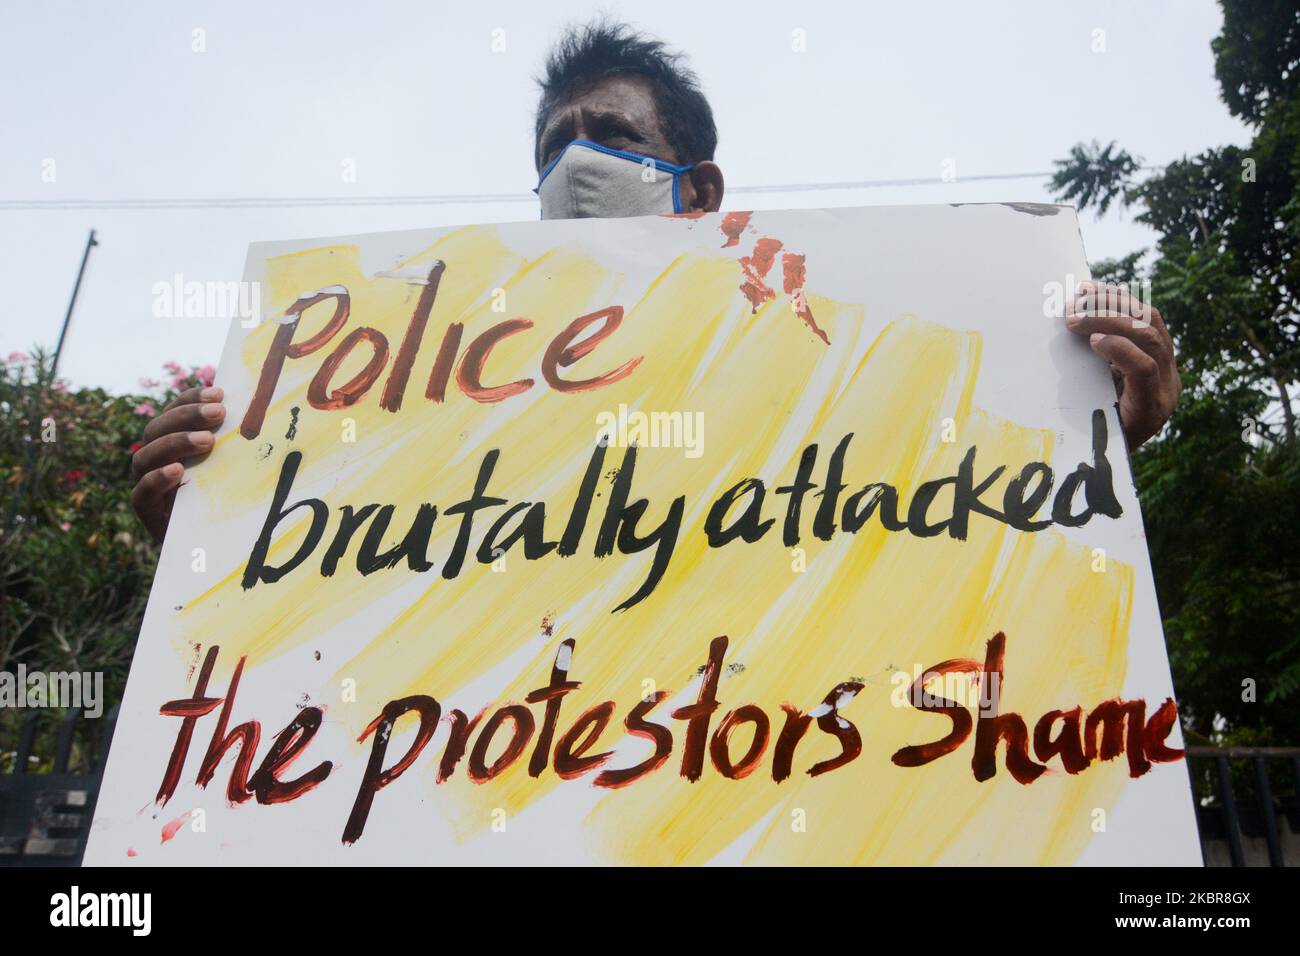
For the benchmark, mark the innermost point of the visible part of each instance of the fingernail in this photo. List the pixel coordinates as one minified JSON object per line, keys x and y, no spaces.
{"x":201,"y":438}
{"x":173,"y":470}
{"x":1096,"y":337}
{"x":212,"y":412}
{"x":210,"y":395}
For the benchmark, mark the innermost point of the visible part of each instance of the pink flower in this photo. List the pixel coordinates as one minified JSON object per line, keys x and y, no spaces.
{"x":60,"y":386}
{"x":19,"y":357}
{"x":65,"y":526}
{"x":173,"y":367}
{"x":205,"y":375}
{"x":76,"y":474}
{"x":180,"y":382}
{"x":146,"y":408}
{"x":149,"y":383}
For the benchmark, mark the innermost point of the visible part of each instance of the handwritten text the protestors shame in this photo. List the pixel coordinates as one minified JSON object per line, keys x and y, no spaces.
{"x":570,"y":747}
{"x":742,"y":512}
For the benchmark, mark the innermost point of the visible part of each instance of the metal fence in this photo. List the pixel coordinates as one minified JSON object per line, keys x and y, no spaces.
{"x":1247,"y":798}
{"x":47,"y":800}
{"x":1248,"y":804}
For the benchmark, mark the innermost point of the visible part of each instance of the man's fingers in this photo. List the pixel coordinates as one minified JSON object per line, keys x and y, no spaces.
{"x":1140,"y":370}
{"x":1142,"y":400}
{"x":169,"y":449}
{"x":1093,"y":298}
{"x":149,"y":497}
{"x":1132,"y":337}
{"x":1153,"y":341}
{"x":1110,"y":310}
{"x":185,"y":418}
{"x":191,"y":396}
{"x":199,"y":393}
{"x":181,"y":431}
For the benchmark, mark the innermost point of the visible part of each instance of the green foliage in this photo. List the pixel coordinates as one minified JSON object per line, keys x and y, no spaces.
{"x":1257,"y":57}
{"x":75,"y":563}
{"x":1220,"y":487}
{"x":1122,"y":271}
{"x":1094,"y":175}
{"x":1221,"y":520}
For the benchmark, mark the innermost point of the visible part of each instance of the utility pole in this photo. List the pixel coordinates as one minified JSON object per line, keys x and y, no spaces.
{"x":67,"y":319}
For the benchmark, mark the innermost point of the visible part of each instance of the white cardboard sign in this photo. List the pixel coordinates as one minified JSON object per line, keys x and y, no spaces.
{"x":786,"y":537}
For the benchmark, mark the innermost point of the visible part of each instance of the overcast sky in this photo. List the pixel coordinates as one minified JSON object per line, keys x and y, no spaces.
{"x":115,"y":102}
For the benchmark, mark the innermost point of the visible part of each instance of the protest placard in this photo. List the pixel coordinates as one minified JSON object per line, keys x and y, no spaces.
{"x":776,"y":537}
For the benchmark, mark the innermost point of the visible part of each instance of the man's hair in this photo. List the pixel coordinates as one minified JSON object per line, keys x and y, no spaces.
{"x":588,"y":54}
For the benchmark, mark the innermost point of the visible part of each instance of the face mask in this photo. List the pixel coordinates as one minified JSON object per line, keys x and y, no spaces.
{"x":590,"y":181}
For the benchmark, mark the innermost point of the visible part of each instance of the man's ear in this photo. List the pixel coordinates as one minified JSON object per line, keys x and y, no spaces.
{"x":706,"y":184}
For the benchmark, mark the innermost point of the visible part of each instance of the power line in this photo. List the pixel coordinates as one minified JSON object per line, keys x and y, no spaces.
{"x":879,"y":183}
{"x":443,"y":199}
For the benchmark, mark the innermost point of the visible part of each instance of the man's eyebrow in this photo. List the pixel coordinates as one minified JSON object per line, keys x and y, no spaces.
{"x":614,"y":116}
{"x":563,"y":128}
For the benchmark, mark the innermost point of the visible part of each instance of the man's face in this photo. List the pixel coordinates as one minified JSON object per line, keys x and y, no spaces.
{"x":620,"y":112}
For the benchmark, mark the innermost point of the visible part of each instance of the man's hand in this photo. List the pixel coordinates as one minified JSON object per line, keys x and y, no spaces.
{"x":181,"y":430}
{"x":1132,"y":337}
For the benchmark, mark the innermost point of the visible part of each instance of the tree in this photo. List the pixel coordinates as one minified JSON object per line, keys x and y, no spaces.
{"x":1220,"y":487}
{"x":75,"y":564}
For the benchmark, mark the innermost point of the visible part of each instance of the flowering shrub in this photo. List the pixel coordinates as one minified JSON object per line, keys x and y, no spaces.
{"x":182,"y":379}
{"x":75,"y":563}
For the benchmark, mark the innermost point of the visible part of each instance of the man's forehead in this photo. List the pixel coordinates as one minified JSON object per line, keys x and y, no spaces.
{"x":622,"y":92}
{"x":626,"y":96}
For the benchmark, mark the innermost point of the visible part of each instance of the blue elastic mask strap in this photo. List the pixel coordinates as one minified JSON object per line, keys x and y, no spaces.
{"x":637,"y":158}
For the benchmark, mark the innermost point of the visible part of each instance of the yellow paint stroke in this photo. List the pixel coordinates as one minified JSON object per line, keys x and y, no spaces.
{"x":869,"y":605}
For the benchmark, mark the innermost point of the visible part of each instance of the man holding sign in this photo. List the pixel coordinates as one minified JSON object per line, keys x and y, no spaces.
{"x":612,"y":102}
{"x":662,"y":537}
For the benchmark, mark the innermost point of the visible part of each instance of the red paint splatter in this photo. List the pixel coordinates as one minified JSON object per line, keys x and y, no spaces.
{"x":171,"y":829}
{"x":194,"y":662}
{"x":793,"y":267}
{"x":733,"y":224}
{"x":755,"y":267}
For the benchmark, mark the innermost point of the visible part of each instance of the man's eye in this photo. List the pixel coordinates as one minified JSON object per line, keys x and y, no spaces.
{"x":620,"y":132}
